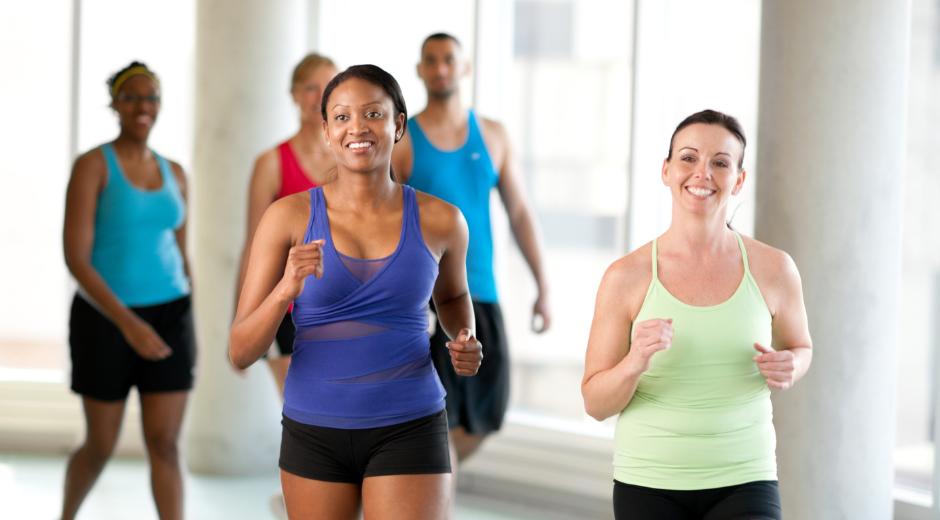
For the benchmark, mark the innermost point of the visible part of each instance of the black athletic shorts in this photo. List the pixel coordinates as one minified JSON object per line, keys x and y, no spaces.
{"x":478,"y":403}
{"x":758,"y":500}
{"x":105,"y":367}
{"x":416,"y":447}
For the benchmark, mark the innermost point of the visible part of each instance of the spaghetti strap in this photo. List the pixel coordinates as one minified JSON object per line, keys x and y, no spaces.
{"x":655,"y":270}
{"x":747,"y":267}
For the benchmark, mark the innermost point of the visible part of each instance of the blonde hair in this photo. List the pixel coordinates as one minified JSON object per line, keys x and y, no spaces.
{"x":307,"y":65}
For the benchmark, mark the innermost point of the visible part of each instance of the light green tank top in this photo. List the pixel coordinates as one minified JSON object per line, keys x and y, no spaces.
{"x":701,"y":416}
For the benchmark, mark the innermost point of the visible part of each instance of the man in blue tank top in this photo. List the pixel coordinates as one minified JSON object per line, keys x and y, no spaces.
{"x":451,"y":153}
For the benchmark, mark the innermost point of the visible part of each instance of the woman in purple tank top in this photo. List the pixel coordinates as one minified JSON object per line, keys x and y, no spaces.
{"x":364,"y":423}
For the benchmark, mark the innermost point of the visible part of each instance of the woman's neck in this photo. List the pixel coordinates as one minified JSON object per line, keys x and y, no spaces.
{"x":130,"y":147}
{"x":362,"y":190}
{"x":447,"y":112}
{"x":698,"y":235}
{"x":310,"y":136}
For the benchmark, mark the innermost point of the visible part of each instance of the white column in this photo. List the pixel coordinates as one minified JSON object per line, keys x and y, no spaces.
{"x":244,"y":55}
{"x":831,"y":148}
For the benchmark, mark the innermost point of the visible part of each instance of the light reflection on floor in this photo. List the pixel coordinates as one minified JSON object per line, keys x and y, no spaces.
{"x":30,"y":488}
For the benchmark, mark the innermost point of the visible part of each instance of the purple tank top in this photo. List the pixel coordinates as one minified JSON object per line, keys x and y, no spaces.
{"x":362,"y":351}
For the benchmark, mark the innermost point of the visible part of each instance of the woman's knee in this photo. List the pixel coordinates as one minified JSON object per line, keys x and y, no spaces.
{"x":162,"y":446}
{"x":98,"y":451}
{"x":100,"y":446}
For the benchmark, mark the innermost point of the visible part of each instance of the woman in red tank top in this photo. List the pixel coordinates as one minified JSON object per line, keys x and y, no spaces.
{"x":297,"y":164}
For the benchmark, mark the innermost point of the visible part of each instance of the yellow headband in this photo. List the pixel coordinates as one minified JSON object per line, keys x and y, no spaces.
{"x":128,"y":74}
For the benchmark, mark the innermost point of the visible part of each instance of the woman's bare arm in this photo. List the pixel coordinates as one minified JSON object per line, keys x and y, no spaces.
{"x":88,"y":179}
{"x":278,"y":267}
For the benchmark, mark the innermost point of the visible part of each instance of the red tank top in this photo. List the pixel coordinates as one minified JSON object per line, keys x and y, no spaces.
{"x":293,"y":177}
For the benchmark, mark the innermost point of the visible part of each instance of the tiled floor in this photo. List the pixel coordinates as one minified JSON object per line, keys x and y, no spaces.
{"x":30,"y":488}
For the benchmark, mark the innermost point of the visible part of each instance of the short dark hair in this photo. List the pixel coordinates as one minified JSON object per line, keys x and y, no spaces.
{"x":134,"y":68}
{"x":372,"y":74}
{"x":440,"y":36}
{"x":713,"y":117}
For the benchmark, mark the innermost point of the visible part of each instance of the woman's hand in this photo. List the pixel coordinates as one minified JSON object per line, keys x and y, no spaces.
{"x":541,"y":314}
{"x":777,"y":367}
{"x":302,"y":261}
{"x":145,"y":341}
{"x":650,"y":337}
{"x":466,"y":353}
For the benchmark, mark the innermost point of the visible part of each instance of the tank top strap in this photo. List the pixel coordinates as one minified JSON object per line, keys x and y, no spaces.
{"x":417,"y":134}
{"x":747,"y":268}
{"x":410,"y":209}
{"x":654,"y":257}
{"x":166,"y":171}
{"x":284,"y":155}
{"x":474,"y":133}
{"x":313,"y":225}
{"x":113,"y":166}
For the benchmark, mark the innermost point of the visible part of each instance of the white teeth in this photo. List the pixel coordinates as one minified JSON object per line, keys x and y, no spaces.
{"x":700,"y":192}
{"x":356,"y":146}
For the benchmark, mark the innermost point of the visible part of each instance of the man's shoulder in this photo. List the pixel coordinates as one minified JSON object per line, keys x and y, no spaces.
{"x":496,"y":139}
{"x":492,"y":127}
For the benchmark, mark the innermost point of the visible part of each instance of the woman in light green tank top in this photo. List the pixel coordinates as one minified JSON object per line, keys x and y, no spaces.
{"x":690,"y":334}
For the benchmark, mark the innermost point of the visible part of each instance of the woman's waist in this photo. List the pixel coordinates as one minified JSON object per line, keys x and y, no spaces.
{"x":688,"y":390}
{"x":353,"y":400}
{"x":338,"y":359}
{"x":647,"y":416}
{"x":138,"y":255}
{"x":361,"y":333}
{"x":652,"y":449}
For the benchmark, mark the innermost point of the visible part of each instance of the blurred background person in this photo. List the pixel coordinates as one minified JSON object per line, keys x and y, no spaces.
{"x":453,"y":154}
{"x":131,"y":321}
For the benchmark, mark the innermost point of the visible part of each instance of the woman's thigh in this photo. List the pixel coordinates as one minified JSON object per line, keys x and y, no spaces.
{"x":308,"y":498}
{"x":409,"y":497}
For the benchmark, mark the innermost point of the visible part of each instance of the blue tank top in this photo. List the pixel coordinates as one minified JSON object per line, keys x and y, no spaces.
{"x":362,"y":355}
{"x":135,"y":248}
{"x":463,"y":177}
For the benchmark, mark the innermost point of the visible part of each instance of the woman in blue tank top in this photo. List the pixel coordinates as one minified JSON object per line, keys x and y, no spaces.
{"x":364,"y":422}
{"x":131,"y":321}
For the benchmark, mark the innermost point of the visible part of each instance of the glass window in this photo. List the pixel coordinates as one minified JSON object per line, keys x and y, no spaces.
{"x":919,"y":345}
{"x":569,"y":114}
{"x":35,"y":103}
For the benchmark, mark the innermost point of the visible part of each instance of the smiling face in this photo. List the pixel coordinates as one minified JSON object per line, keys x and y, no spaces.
{"x":308,"y":91}
{"x":137,"y":105}
{"x":361,"y":126}
{"x":703,"y":171}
